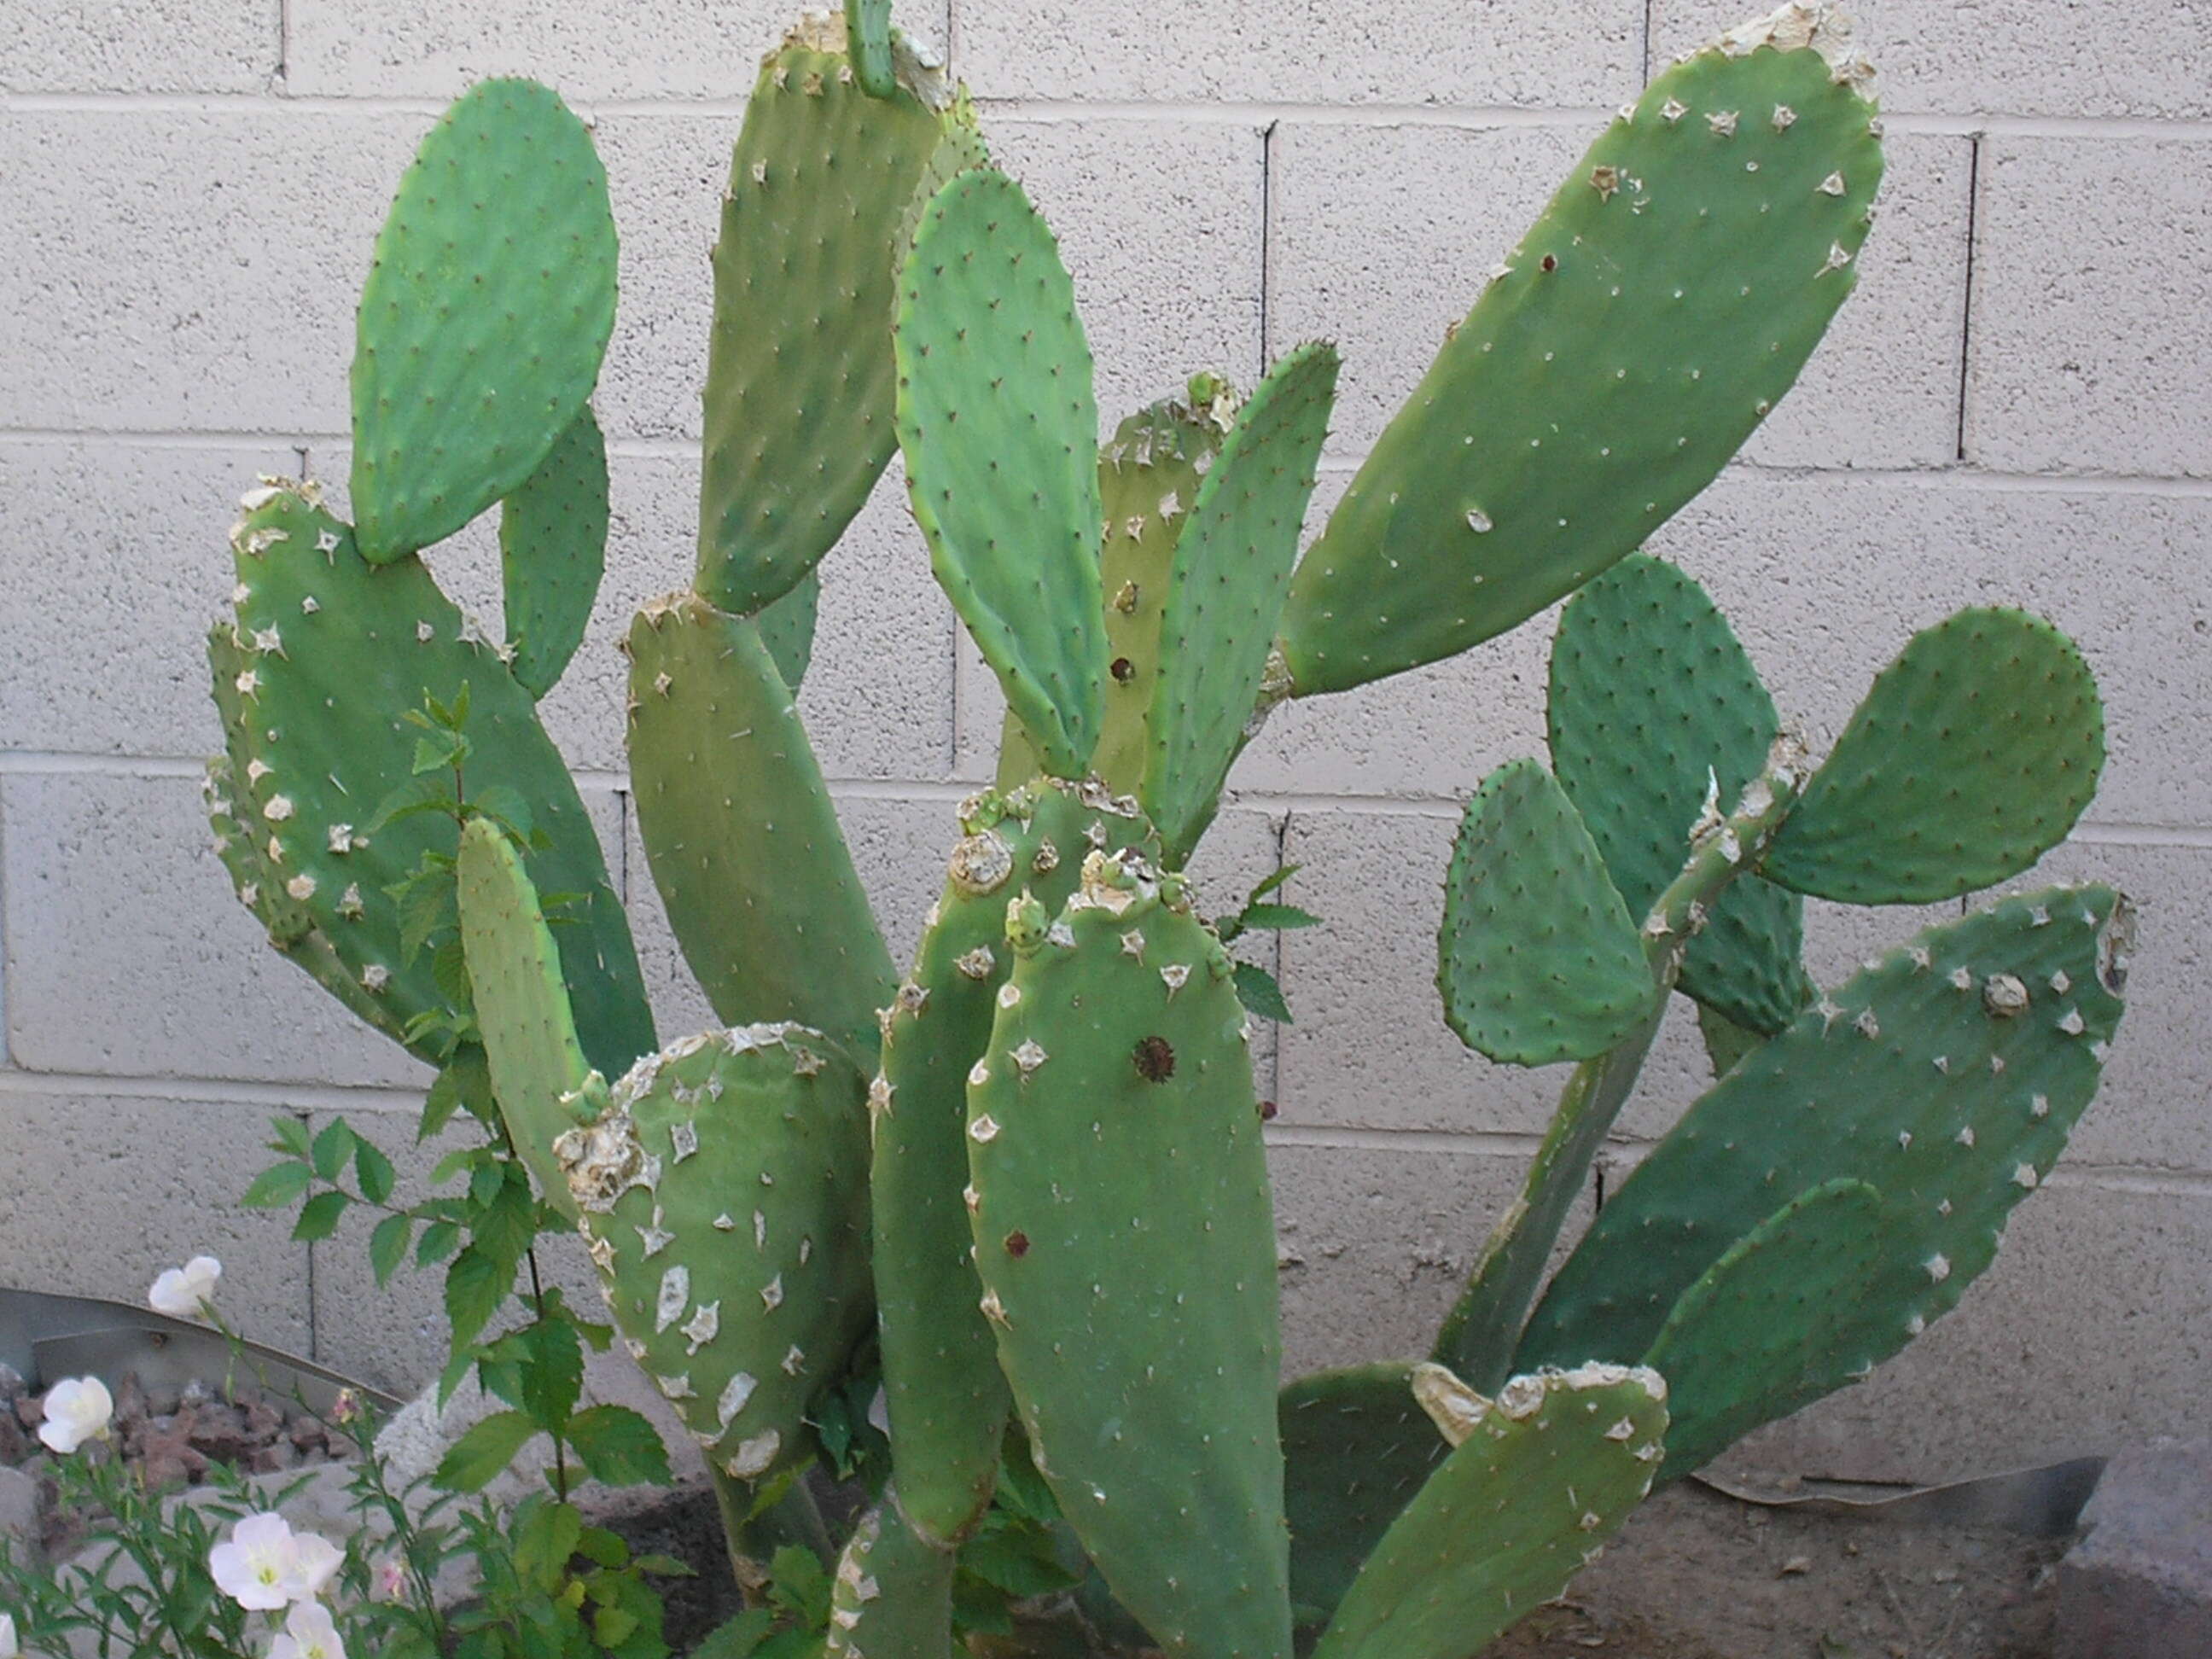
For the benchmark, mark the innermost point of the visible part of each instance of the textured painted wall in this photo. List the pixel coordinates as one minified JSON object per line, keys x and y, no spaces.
{"x":2014,"y":408}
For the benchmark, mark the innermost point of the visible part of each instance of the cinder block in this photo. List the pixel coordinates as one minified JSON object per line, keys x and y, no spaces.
{"x":220,"y":299}
{"x":1882,"y":391}
{"x":2090,"y":1331}
{"x":666,"y":170}
{"x":2002,"y":57}
{"x":225,"y":45}
{"x":1370,"y":1047}
{"x":660,"y":49}
{"x":101,"y":1192}
{"x":2090,"y":330}
{"x":1376,"y":1243}
{"x":128,"y":954}
{"x":1825,"y":578}
{"x":1395,"y":53}
{"x":117,"y":565}
{"x":1159,"y":223}
{"x":2139,"y":1580}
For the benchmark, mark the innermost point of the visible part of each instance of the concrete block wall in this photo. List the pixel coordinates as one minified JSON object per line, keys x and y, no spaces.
{"x":2012,"y":409}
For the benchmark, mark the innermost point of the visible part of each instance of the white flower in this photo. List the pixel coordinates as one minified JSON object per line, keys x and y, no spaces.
{"x":309,"y":1634}
{"x":7,"y":1648}
{"x":77,"y":1410}
{"x":265,"y":1565}
{"x":187,"y":1292}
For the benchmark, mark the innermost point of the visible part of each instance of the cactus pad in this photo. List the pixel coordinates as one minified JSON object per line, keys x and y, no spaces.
{"x":552,"y":552}
{"x":334,"y":648}
{"x":1970,"y":758}
{"x":868,"y":43}
{"x":1946,"y":1077}
{"x":1232,"y":562}
{"x":1541,"y":1477}
{"x":740,"y":832}
{"x":1772,"y":1325}
{"x":787,"y":628}
{"x":522,"y":1008}
{"x":1125,"y":1239}
{"x":892,"y":1595}
{"x":797,"y":418}
{"x":1356,"y":1447}
{"x":1537,"y":959}
{"x":1149,"y":473}
{"x":945,"y":1397}
{"x":1000,"y":430}
{"x":1653,"y":704}
{"x":724,"y":1195}
{"x":1622,"y":352}
{"x":484,"y":316}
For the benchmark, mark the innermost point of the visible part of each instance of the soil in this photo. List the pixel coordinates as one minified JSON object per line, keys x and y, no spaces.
{"x":1695,"y":1574}
{"x":172,"y":1436}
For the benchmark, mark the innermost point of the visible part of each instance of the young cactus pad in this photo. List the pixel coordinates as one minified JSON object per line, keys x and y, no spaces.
{"x":1543,"y":1474}
{"x":724,"y":1193}
{"x":798,"y":412}
{"x":1125,"y":1237}
{"x":1000,"y":430}
{"x":946,"y":1399}
{"x":484,"y":316}
{"x":1654,"y":710}
{"x":1945,"y":1076}
{"x":1622,"y":352}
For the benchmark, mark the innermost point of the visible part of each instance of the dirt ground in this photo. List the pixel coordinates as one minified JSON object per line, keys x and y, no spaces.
{"x":1695,"y":1574}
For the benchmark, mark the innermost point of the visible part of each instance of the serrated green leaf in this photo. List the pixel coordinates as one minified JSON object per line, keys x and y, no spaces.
{"x":504,"y":803}
{"x":277,"y":1186}
{"x":440,"y":1240}
{"x":1257,"y":990}
{"x":387,"y":1246}
{"x":479,"y":1457}
{"x":475,"y":1287}
{"x":332,"y":1148}
{"x":738,"y":1638}
{"x":1277,"y":918}
{"x":372,"y":1171}
{"x":1272,"y":883}
{"x":553,"y":1375}
{"x":619,"y":1447}
{"x":291,"y":1135}
{"x":318,"y":1216}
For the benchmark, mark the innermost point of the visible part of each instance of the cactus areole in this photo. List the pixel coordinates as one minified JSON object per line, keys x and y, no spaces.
{"x":1021,"y":1178}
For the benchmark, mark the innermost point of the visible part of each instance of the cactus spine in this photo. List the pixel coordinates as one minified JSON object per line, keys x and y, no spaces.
{"x":1032,"y":1169}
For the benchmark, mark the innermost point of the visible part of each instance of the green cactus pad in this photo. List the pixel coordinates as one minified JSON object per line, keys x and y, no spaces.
{"x":1726,"y":1041}
{"x":798,"y":416}
{"x":1124,"y":1238}
{"x":1653,"y":703}
{"x":1622,"y":352}
{"x":724,"y":1196}
{"x":484,"y":316}
{"x":947,"y":1402}
{"x":1000,"y":432}
{"x":868,"y":43}
{"x":1947,"y":1076}
{"x":1542,"y":1477}
{"x":893,"y":1595}
{"x":1971,"y":758}
{"x":335,"y":650}
{"x":1772,"y":1326}
{"x":740,"y":832}
{"x":1356,"y":1447}
{"x":787,"y":628}
{"x":552,"y":552}
{"x":538,"y":1067}
{"x":1232,"y":563}
{"x":1537,"y":960}
{"x":1149,"y":473}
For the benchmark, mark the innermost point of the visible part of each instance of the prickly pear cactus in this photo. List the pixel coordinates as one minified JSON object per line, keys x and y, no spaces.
{"x":1027,"y":1179}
